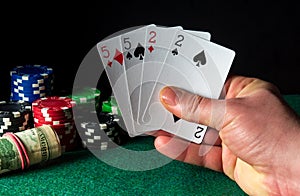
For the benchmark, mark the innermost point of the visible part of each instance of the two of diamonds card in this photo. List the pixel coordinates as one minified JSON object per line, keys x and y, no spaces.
{"x":140,"y":61}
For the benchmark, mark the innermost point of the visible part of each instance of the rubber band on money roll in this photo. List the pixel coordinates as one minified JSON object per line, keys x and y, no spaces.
{"x":23,"y":149}
{"x":9,"y":135}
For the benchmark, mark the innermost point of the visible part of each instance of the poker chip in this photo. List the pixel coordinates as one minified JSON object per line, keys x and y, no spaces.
{"x":53,"y":105}
{"x":31,"y":82}
{"x":49,"y":121}
{"x":94,"y":136}
{"x":105,"y":131}
{"x":109,"y":108}
{"x":57,"y":112}
{"x":45,"y":112}
{"x":47,"y":117}
{"x":15,"y":116}
{"x":97,"y":129}
{"x":86,"y":95}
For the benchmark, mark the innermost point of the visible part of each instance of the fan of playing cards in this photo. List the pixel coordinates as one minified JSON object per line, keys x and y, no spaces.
{"x":141,"y":60}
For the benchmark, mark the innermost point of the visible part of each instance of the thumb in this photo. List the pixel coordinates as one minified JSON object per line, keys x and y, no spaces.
{"x":192,"y":107}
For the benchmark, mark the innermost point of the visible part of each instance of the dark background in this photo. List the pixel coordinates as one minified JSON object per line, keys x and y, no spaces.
{"x":264,"y":35}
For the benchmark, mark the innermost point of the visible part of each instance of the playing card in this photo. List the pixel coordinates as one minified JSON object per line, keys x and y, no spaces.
{"x":158,"y":40}
{"x":200,"y":34}
{"x":158,"y":43}
{"x":197,"y":66}
{"x":111,"y":54}
{"x":133,"y":46}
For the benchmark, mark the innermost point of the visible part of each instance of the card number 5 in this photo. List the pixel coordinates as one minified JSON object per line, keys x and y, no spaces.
{"x":105,"y":52}
{"x":127,"y":43}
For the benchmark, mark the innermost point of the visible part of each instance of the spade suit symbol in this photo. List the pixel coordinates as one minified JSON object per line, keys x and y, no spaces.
{"x":200,"y":58}
{"x":129,"y":55}
{"x":139,"y":52}
{"x":175,"y":118}
{"x":175,"y":52}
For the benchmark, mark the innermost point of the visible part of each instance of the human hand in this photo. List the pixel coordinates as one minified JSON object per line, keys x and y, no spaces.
{"x":259,"y":135}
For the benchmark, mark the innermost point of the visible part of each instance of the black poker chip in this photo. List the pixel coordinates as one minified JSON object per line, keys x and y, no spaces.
{"x":94,"y":136}
{"x":13,"y":109}
{"x":96,"y":129}
{"x":15,"y":116}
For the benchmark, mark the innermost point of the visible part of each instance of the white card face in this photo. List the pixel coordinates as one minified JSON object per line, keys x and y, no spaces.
{"x":190,"y":66}
{"x":113,"y":61}
{"x":133,"y":46}
{"x":160,"y":118}
{"x":158,"y":41}
{"x":153,"y":64}
{"x":201,"y":34}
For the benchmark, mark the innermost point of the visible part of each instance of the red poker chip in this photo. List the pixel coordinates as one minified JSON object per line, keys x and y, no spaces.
{"x":66,"y":125}
{"x":67,"y":138}
{"x":47,"y":112}
{"x":53,"y":104}
{"x":59,"y":126}
{"x":69,"y":142}
{"x":53,"y":122}
{"x":63,"y":128}
{"x":69,"y":147}
{"x":66,"y":131}
{"x":53,"y":118}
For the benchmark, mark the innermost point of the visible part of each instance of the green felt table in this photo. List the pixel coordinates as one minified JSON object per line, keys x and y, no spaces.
{"x":81,"y":173}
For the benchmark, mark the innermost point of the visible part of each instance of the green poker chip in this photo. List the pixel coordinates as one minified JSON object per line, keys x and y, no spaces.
{"x":86,"y":95}
{"x":111,"y":106}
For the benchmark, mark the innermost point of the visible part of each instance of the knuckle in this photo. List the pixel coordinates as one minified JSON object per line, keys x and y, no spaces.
{"x":194,"y":105}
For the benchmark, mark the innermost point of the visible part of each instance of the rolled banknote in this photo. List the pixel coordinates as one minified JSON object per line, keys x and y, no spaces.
{"x":22,"y":149}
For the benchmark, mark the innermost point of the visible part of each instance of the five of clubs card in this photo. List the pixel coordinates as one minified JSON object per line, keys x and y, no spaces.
{"x":141,"y":60}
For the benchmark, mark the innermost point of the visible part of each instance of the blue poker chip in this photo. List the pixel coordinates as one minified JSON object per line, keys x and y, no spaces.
{"x":25,"y":97}
{"x":25,"y":80}
{"x":28,"y":86}
{"x":38,"y":94}
{"x":31,"y":72}
{"x":31,"y":82}
{"x":28,"y":91}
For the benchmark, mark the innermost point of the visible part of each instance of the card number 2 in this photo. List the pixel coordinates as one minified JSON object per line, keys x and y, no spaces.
{"x":198,"y":132}
{"x":179,"y":40}
{"x":152,"y":37}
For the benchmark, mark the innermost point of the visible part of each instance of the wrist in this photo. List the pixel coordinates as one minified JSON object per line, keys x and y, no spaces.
{"x":285,"y":179}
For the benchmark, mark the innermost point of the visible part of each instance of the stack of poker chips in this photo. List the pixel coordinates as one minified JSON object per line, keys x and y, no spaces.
{"x":87,"y":103}
{"x":15,"y":116}
{"x":31,"y":82}
{"x":104,"y":134}
{"x":22,"y":149}
{"x":57,"y":112}
{"x":97,"y":129}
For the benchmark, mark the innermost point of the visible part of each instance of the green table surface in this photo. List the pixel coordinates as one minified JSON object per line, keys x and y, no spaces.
{"x":82,"y":173}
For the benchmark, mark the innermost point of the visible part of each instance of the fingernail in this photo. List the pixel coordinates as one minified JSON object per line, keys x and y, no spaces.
{"x":168,"y":96}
